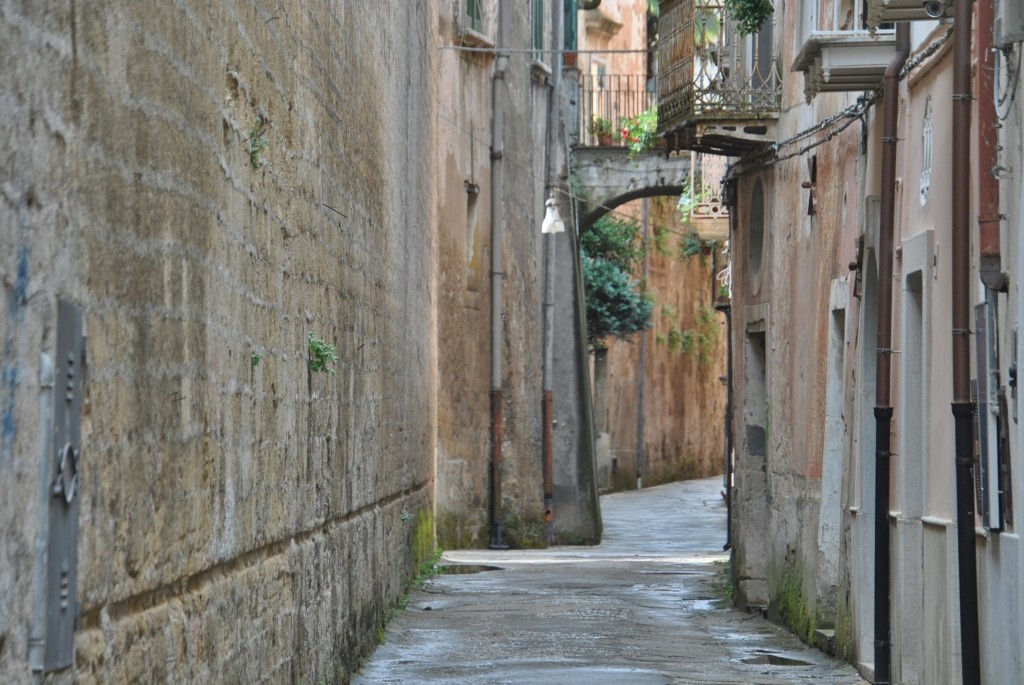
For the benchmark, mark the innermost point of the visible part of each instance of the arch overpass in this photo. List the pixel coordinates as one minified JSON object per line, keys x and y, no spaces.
{"x":606,"y":178}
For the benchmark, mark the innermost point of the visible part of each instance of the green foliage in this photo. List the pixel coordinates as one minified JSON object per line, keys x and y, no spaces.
{"x":693,"y":245}
{"x":688,"y":201}
{"x":258,"y":142}
{"x":674,"y":339}
{"x":615,"y":241}
{"x":600,"y":126}
{"x":322,"y":357}
{"x":698,"y":342}
{"x":640,"y":132}
{"x":707,"y":25}
{"x":662,"y":236}
{"x":255,"y":359}
{"x":749,"y":15}
{"x":614,"y":305}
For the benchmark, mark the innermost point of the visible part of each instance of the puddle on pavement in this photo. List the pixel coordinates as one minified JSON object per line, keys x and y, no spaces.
{"x":459,"y":569}
{"x":769,"y":659}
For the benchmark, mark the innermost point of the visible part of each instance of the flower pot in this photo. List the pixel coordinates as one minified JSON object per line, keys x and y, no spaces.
{"x":604,"y":139}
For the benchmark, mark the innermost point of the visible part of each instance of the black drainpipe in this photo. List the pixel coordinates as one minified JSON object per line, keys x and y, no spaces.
{"x":962,"y":405}
{"x":883,"y":405}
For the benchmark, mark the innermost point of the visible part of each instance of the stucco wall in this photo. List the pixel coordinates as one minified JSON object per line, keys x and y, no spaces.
{"x":240,"y":522}
{"x":466,"y":194}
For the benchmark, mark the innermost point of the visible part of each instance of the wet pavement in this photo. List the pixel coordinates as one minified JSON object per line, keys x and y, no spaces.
{"x":645,"y":607}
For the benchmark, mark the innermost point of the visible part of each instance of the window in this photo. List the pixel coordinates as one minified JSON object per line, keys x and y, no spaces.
{"x":473,"y":15}
{"x":926,"y":151}
{"x":538,"y":30}
{"x":755,"y":236}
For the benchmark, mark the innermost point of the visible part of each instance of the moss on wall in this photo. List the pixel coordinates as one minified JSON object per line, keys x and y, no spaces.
{"x":460,"y":530}
{"x":789,"y":605}
{"x":845,"y":637}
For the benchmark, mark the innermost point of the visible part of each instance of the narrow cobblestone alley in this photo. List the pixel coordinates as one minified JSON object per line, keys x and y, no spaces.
{"x":644,"y":607}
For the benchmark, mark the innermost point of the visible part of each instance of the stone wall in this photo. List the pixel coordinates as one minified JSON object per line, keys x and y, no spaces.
{"x":210,"y":183}
{"x":684,"y":400}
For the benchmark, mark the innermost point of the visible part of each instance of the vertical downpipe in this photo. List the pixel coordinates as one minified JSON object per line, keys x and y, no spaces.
{"x":547,"y":400}
{"x":37,"y":638}
{"x":962,"y":406}
{"x":497,"y":272}
{"x":883,"y":404}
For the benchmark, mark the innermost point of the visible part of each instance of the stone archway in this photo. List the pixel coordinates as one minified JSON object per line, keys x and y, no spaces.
{"x":607,"y":178}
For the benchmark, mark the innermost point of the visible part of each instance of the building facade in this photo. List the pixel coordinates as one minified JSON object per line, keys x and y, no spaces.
{"x":875,"y":215}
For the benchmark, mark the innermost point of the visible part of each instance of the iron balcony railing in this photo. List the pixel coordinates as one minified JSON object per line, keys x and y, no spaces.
{"x":707,"y":71}
{"x":608,"y":99}
{"x":706,"y":174}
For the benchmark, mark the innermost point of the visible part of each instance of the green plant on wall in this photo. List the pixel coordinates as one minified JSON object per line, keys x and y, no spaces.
{"x":662,"y":238}
{"x":693,"y":245}
{"x":322,"y":356}
{"x":698,"y":342}
{"x":258,"y":142}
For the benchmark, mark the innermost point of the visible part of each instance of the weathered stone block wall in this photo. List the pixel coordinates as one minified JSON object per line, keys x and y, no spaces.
{"x":684,"y":400}
{"x":210,"y":182}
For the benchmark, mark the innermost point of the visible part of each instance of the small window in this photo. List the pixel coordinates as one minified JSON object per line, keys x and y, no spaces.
{"x":473,"y":15}
{"x":926,"y":151}
{"x":538,"y":30}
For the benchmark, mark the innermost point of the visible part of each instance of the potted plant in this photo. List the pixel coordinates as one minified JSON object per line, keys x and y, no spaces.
{"x":641,"y":132}
{"x":601,"y":128}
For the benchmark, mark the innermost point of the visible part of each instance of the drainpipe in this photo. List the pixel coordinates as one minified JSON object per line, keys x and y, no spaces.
{"x":883,"y":404}
{"x":992,"y":275}
{"x":497,"y":272}
{"x":728,"y":430}
{"x":37,"y":638}
{"x":962,"y":406}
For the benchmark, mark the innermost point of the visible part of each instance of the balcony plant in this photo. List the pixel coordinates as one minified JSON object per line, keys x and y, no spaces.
{"x":602,"y":129}
{"x":640,"y":133}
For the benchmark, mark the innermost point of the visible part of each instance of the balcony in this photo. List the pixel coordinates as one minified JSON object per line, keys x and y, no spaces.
{"x":840,"y":53}
{"x":607,"y":99}
{"x":718,"y":92}
{"x":709,"y":215}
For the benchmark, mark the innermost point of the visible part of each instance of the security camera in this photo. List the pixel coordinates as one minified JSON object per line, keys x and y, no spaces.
{"x":934,"y":8}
